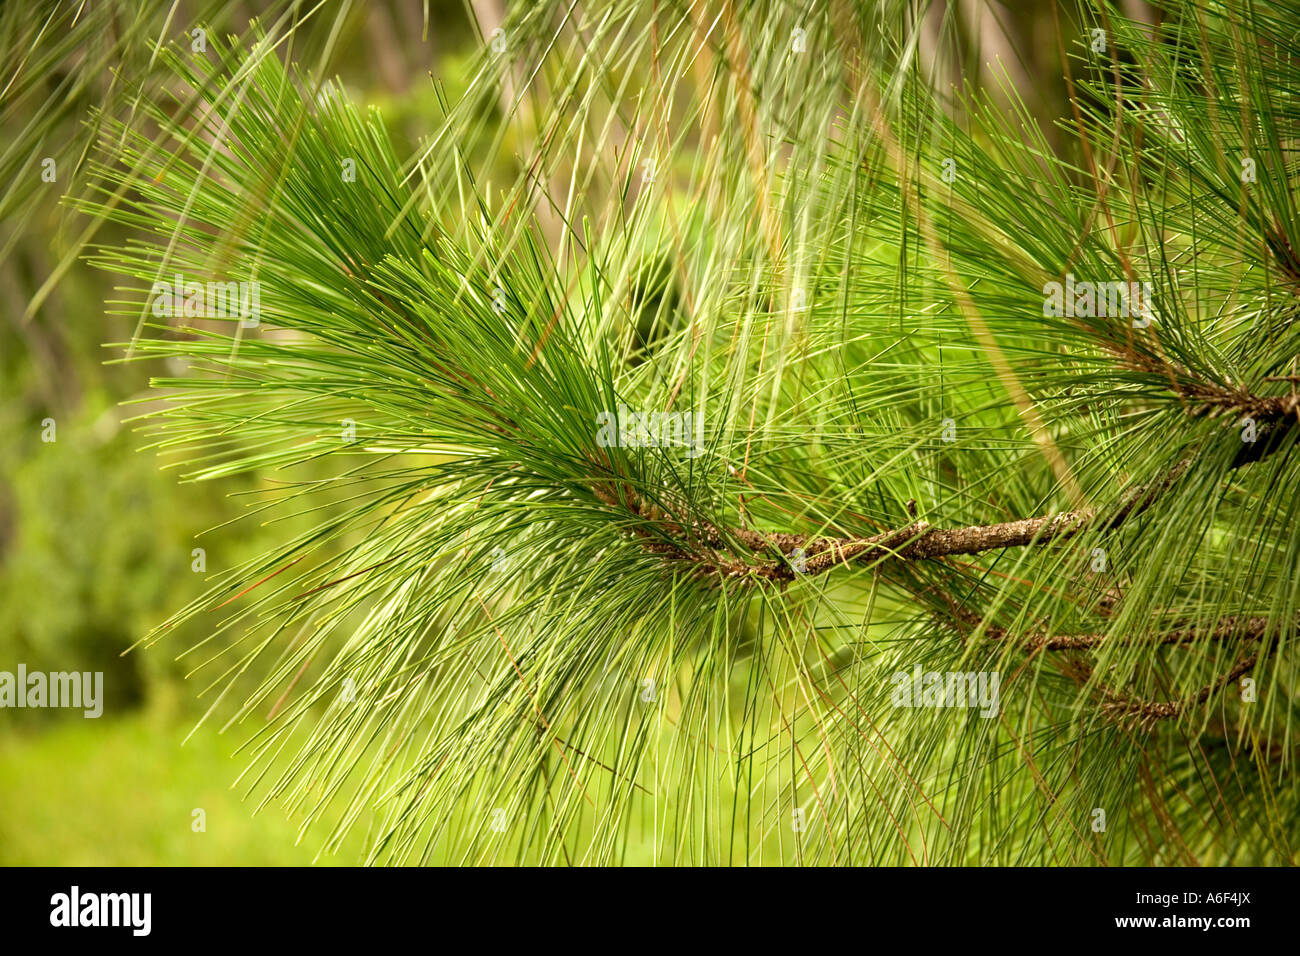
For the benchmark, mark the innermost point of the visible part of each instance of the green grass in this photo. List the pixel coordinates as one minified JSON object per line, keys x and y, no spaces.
{"x":122,"y":792}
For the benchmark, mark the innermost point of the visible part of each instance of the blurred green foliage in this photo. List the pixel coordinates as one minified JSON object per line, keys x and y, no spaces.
{"x":96,"y":540}
{"x":122,"y":792}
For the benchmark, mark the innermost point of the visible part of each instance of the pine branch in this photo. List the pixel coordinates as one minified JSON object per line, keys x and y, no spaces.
{"x":477,"y":422}
{"x":1121,"y":707}
{"x":1276,"y":416}
{"x":912,"y":542}
{"x":1231,"y":627}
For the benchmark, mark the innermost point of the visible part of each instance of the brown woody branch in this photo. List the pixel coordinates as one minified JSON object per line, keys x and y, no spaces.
{"x":710,"y":547}
{"x":1125,"y":709}
{"x":1147,"y":712}
{"x":1232,"y":627}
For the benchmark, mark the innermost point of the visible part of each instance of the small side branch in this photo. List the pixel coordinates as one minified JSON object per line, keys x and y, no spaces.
{"x":1147,"y":712}
{"x":1232,"y":627}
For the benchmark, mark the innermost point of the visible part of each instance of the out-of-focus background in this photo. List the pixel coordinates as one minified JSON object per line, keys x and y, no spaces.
{"x":97,"y":543}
